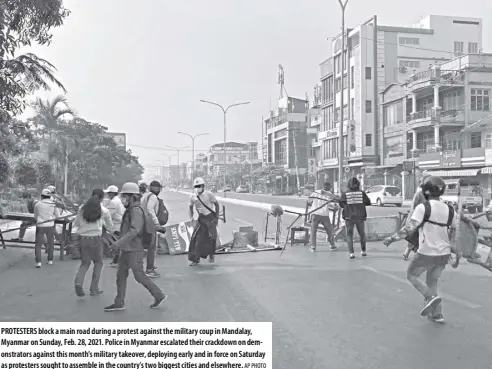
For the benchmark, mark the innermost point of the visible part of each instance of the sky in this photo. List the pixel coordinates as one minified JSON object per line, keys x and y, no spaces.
{"x":141,"y":67}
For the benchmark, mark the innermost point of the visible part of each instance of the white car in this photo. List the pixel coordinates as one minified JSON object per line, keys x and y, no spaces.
{"x":385,"y":195}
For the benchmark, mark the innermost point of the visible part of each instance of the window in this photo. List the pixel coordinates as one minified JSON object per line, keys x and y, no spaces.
{"x":475,"y":140}
{"x":409,"y":63}
{"x":451,"y":101}
{"x":488,"y":141}
{"x":368,"y":73}
{"x":337,"y":114}
{"x":345,"y":112}
{"x":337,"y":64}
{"x":458,"y":47}
{"x":368,"y":140}
{"x":327,"y":89}
{"x":480,"y":100}
{"x":472,"y":48}
{"x":352,"y":107}
{"x":408,"y":41}
{"x":368,"y":106}
{"x":345,"y":82}
{"x":393,"y":114}
{"x":352,"y":77}
{"x":346,"y":61}
{"x":338,"y":84}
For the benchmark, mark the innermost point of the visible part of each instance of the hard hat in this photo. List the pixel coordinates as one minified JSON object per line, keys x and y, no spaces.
{"x":112,"y":189}
{"x":46,"y":192}
{"x":131,"y":188}
{"x":52,"y":189}
{"x":433,"y":186}
{"x":276,"y":210}
{"x":199,"y":181}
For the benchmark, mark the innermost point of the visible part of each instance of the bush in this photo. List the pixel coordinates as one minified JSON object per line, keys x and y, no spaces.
{"x":4,"y":169}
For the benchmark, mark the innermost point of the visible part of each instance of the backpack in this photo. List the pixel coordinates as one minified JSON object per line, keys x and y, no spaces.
{"x":162,"y":212}
{"x":413,"y":238}
{"x":148,"y":228}
{"x":30,"y":205}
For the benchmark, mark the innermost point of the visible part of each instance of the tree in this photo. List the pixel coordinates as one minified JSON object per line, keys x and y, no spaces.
{"x":25,"y":171}
{"x":4,"y":168}
{"x":44,"y":173}
{"x":23,"y":22}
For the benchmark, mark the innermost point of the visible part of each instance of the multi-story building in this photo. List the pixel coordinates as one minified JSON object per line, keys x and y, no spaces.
{"x":438,"y":121}
{"x":287,"y":144}
{"x":377,"y":56}
{"x":235,"y":154}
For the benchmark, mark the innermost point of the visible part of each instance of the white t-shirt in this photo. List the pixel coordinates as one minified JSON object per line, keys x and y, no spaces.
{"x":208,"y":198}
{"x":434,"y":239}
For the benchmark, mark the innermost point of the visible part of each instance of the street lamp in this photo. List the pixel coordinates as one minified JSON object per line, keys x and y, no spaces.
{"x":224,"y":110}
{"x":193,"y":150}
{"x":341,"y":156}
{"x":179,"y":168}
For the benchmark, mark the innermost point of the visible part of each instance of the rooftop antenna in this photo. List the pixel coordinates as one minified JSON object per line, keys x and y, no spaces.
{"x":281,"y":80}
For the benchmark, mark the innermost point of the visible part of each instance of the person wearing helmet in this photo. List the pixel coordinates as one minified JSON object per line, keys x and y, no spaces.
{"x":131,"y":250}
{"x":116,"y":209}
{"x":322,"y":203}
{"x":354,"y":202}
{"x":45,"y":212}
{"x":433,"y":220}
{"x":150,"y":202}
{"x":418,"y":199}
{"x":204,"y":238}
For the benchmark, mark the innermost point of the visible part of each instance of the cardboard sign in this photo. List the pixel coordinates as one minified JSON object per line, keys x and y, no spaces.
{"x":178,"y":237}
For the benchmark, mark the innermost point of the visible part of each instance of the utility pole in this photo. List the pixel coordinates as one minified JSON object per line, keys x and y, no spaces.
{"x":341,"y":156}
{"x":179,"y":166}
{"x":224,"y":110}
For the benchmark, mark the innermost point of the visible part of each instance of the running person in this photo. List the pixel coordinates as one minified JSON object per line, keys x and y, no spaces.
{"x":204,"y":238}
{"x":434,"y":249}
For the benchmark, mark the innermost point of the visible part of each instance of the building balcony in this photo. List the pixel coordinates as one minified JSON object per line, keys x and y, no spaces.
{"x":424,"y":118}
{"x":453,"y":117}
{"x":431,"y":77}
{"x":430,"y":117}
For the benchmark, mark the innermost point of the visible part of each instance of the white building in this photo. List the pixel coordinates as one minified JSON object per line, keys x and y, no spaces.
{"x":377,"y":57}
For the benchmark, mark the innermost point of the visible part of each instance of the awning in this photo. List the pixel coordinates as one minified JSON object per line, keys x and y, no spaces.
{"x":453,"y":173}
{"x":486,"y":170}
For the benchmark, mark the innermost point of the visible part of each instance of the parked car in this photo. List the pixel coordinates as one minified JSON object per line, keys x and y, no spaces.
{"x":242,"y":189}
{"x":227,"y":189}
{"x":385,"y":195}
{"x":470,"y":191}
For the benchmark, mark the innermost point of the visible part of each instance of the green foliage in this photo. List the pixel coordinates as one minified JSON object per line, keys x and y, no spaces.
{"x":44,"y":172}
{"x":25,"y":171}
{"x":4,"y":168}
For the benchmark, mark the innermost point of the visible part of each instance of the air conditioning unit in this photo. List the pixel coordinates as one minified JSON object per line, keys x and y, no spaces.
{"x":403,"y":70}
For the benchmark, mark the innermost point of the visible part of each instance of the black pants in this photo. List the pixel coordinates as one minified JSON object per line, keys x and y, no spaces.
{"x":349,"y":226}
{"x":116,"y":252}
{"x":41,"y":233}
{"x":150,"y":246}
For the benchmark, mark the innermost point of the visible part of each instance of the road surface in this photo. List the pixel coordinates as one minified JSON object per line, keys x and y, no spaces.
{"x":327,"y":311}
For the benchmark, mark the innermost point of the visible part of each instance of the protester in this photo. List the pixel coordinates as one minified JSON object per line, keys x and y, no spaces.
{"x":142,"y":188}
{"x":150,"y":202}
{"x":433,"y":220}
{"x":418,"y":199}
{"x":26,"y":223}
{"x":89,"y":222}
{"x":321,"y":201}
{"x":132,"y":250}
{"x":116,"y":209}
{"x":45,"y":212}
{"x":354,"y":202}
{"x":204,"y":238}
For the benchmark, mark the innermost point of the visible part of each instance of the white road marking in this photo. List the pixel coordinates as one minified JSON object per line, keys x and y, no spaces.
{"x":242,"y":221}
{"x":457,"y":300}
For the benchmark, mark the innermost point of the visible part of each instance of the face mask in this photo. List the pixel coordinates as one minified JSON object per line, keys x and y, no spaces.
{"x":199,"y":190}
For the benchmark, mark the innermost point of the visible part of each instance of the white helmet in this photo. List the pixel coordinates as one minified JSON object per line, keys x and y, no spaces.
{"x":51,"y":188}
{"x":112,"y":189}
{"x":131,"y":188}
{"x":199,"y":181}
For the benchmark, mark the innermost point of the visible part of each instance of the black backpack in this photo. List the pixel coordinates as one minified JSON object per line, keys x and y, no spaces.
{"x":413,"y":239}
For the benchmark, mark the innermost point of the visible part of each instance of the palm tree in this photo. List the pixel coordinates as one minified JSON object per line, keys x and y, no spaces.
{"x":50,"y":115}
{"x":22,"y":76}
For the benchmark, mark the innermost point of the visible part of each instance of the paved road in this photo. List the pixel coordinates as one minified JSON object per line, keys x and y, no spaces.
{"x":327,"y":311}
{"x":300,"y":202}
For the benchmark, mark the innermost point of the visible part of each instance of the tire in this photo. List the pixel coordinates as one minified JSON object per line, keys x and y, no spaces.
{"x":379,"y":202}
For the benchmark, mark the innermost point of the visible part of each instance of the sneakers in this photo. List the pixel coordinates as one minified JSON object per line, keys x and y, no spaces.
{"x":79,"y":291}
{"x":96,"y":293}
{"x":430,"y":303}
{"x":114,"y":307}
{"x":333,"y":248}
{"x":312,"y":249}
{"x":211,"y":259}
{"x":38,"y":265}
{"x":152,"y":274}
{"x":363,"y":253}
{"x":113,"y":265}
{"x":438,"y":318}
{"x":352,"y":256}
{"x":158,"y":302}
{"x":50,"y":262}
